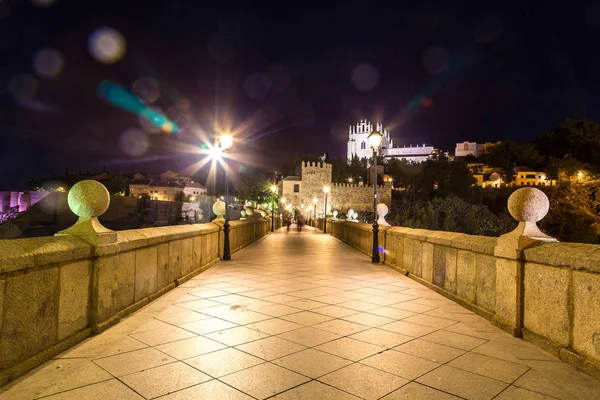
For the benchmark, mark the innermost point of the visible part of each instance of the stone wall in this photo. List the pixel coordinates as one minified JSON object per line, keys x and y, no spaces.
{"x":546,"y":292}
{"x":56,"y":291}
{"x":341,"y":198}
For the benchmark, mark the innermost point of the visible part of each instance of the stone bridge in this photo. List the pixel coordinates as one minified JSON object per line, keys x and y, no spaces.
{"x":152,"y":313}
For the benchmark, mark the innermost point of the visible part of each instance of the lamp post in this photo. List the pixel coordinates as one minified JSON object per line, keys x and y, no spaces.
{"x":274,"y":191}
{"x":375,"y":141}
{"x":226,"y":142}
{"x":315,"y":201}
{"x":325,"y":190}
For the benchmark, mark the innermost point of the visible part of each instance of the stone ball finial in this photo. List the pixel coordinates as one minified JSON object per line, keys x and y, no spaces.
{"x":219,"y":208}
{"x":382,"y":210}
{"x":88,"y":199}
{"x":528,"y":204}
{"x":351,"y":213}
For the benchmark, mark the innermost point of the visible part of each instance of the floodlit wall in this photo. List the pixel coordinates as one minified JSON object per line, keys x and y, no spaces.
{"x":546,"y":292}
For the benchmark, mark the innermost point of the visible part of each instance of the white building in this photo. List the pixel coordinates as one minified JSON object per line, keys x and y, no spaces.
{"x":358,"y":145}
{"x":474,"y":149}
{"x":167,"y":187}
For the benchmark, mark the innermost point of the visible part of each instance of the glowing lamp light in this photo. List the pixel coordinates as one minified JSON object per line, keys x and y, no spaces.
{"x":375,"y":140}
{"x":226,"y":141}
{"x":283,"y":200}
{"x":215,"y":153}
{"x":326,"y":189}
{"x":273,"y":188}
{"x":315,"y":200}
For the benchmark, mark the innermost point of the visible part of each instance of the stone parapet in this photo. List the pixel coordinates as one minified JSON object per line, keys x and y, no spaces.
{"x":56,"y":291}
{"x":525,"y":282}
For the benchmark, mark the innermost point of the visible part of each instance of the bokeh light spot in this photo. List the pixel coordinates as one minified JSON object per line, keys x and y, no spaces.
{"x":220,"y":49}
{"x":22,"y":86}
{"x":487,"y":29}
{"x":167,"y":127}
{"x":43,"y":3}
{"x":146,"y":89}
{"x":48,"y":63}
{"x":134,"y":142}
{"x":365,"y":77}
{"x":257,"y":86}
{"x":435,"y":60}
{"x":107,"y":45}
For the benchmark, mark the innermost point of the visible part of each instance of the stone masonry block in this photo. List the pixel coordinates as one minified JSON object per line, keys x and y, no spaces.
{"x":465,"y":275}
{"x":175,"y":256}
{"x":439,"y":265}
{"x":506,"y":290}
{"x":125,"y":280}
{"x":30,"y":315}
{"x":2,"y":286}
{"x":417,"y":258}
{"x":146,"y":260}
{"x":163,"y":276}
{"x":427,"y":260}
{"x":197,"y":252}
{"x":547,"y":302}
{"x":206,"y":251}
{"x":586,"y":318}
{"x":75,"y":296}
{"x":106,"y":287}
{"x":407,"y":254}
{"x":186,"y":256}
{"x":486,"y":281}
{"x":450,"y":279}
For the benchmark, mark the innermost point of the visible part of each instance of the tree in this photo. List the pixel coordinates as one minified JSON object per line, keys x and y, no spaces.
{"x":576,"y":139}
{"x":509,"y":154}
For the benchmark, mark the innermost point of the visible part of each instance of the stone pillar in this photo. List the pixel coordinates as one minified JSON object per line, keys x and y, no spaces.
{"x":528,"y":206}
{"x":88,"y":200}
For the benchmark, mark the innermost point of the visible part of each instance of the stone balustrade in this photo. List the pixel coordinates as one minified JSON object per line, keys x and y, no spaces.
{"x":56,"y":291}
{"x":525,"y":282}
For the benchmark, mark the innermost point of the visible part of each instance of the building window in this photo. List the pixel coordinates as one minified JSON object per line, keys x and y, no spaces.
{"x":165,"y":192}
{"x":466,"y":147}
{"x":363,"y":146}
{"x":296,"y":188}
{"x":530,"y":176}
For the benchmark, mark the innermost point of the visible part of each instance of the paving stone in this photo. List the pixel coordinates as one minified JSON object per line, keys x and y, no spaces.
{"x":312,"y":363}
{"x":112,"y":389}
{"x":264,"y":380}
{"x":308,"y":336}
{"x":134,"y":361}
{"x":165,"y":379}
{"x":429,"y":350}
{"x":416,"y":391}
{"x":462,"y":383}
{"x":209,"y":390}
{"x":191,"y":347}
{"x":314,"y":390}
{"x":401,"y":364}
{"x":381,"y":338}
{"x":223,"y":362}
{"x":307,"y":318}
{"x":271,"y":348}
{"x":491,"y":367}
{"x":364,"y":381}
{"x":351,"y":349}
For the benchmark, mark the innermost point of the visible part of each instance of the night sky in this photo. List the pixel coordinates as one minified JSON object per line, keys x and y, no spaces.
{"x":287,"y":77}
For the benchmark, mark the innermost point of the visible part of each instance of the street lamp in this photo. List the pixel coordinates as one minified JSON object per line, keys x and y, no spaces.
{"x":375,"y":141}
{"x":274,"y":191}
{"x":325,"y":190}
{"x":226,"y":142}
{"x":315,"y":201}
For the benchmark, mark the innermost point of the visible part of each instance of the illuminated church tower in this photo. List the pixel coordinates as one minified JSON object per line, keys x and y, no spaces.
{"x":358,"y":144}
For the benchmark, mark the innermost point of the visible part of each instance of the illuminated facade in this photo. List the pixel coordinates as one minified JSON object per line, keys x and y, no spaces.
{"x":358,"y":145}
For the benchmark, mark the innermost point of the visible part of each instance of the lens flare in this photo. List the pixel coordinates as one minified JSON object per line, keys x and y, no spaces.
{"x":146,"y":89}
{"x":107,"y":45}
{"x":134,"y":142}
{"x":22,"y":86}
{"x":365,"y":77}
{"x":43,"y":3}
{"x":48,"y":63}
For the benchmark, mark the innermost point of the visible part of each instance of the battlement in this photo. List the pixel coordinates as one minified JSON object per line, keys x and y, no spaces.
{"x":317,"y":164}
{"x":354,"y":185}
